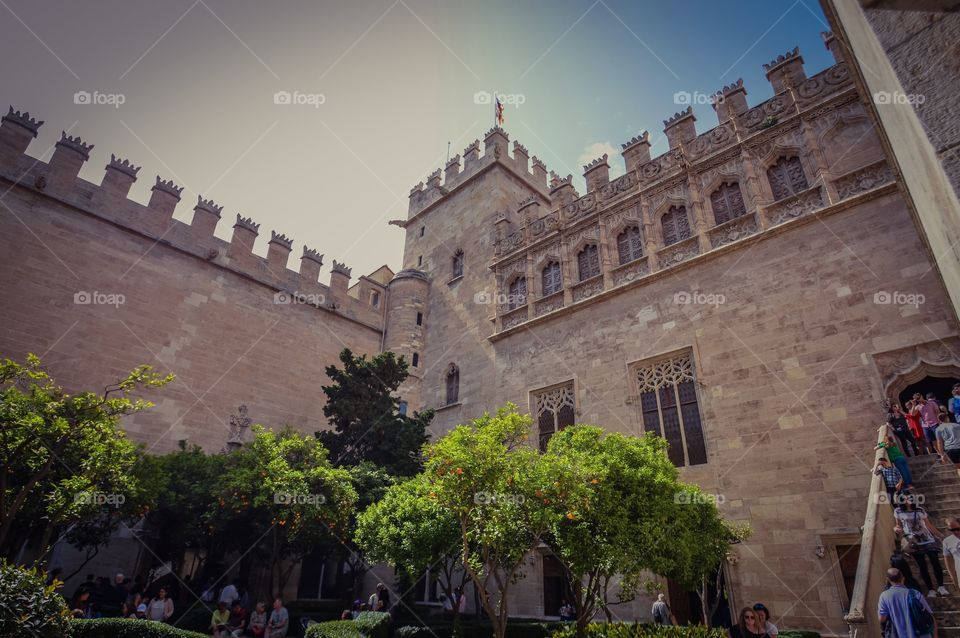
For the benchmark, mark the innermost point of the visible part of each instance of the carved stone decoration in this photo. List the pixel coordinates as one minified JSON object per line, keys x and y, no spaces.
{"x":590,"y":232}
{"x":510,"y":242}
{"x":544,"y":225}
{"x":580,"y":207}
{"x":554,"y":400}
{"x":664,"y":373}
{"x":631,"y":213}
{"x":548,"y":304}
{"x":900,"y":368}
{"x":682,"y":251}
{"x":864,"y":180}
{"x":588,"y":289}
{"x":239,"y":424}
{"x":796,"y":206}
{"x":734,"y":230}
{"x":711,"y":141}
{"x":516,"y":266}
{"x":621,"y":185}
{"x":514,"y":318}
{"x":633,"y":270}
{"x":550,"y":250}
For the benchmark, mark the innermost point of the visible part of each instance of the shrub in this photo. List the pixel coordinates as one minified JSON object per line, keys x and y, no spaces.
{"x":630,"y":630}
{"x":196,"y":619}
{"x":28,"y":607}
{"x":373,"y":624}
{"x":479,"y":629}
{"x":334,"y":629}
{"x":128,"y":628}
{"x":799,"y":633}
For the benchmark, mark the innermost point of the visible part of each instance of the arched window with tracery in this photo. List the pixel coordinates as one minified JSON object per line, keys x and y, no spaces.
{"x":786,"y":177}
{"x":517,"y":293}
{"x":458,"y":264}
{"x":675,"y":225}
{"x":669,"y":407}
{"x":453,"y":384}
{"x":551,"y":280}
{"x":588,"y":262}
{"x":727,"y":202}
{"x":555,"y":410}
{"x":630,"y":244}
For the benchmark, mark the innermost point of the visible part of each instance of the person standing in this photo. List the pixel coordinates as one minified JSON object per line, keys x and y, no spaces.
{"x":901,"y":429}
{"x":898,"y":459}
{"x":661,"y":612}
{"x":229,"y":594}
{"x":161,"y":607}
{"x":912,"y":415}
{"x":930,"y":418}
{"x":951,"y":548}
{"x":953,"y":405}
{"x":892,"y":480}
{"x":279,"y":621}
{"x":948,"y":441}
{"x":922,"y":535}
{"x":896,"y":604}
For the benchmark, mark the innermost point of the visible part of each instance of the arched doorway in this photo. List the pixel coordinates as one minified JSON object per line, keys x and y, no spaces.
{"x":941,"y":387}
{"x":926,"y":367}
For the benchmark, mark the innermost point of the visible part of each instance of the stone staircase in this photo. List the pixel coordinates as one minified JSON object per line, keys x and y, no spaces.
{"x":940,"y":487}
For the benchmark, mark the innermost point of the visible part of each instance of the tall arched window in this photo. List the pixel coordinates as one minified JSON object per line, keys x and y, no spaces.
{"x":453,"y":384}
{"x":458,"y":264}
{"x":675,"y":225}
{"x":630,"y":244}
{"x":551,"y":278}
{"x":588,"y":262}
{"x":727,"y":202}
{"x":517,"y":293}
{"x":786,"y":177}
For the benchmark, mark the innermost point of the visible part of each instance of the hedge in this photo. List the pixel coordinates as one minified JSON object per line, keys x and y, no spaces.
{"x":798,"y":633}
{"x":479,"y":629}
{"x":28,"y":607}
{"x":373,"y":624}
{"x":127,"y":628}
{"x":637,"y":630}
{"x":334,"y":629}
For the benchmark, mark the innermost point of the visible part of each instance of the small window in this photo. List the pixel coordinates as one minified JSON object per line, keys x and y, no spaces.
{"x":517,"y":293}
{"x":416,"y":359}
{"x":422,"y":229}
{"x":403,"y":407}
{"x":453,"y":384}
{"x":420,"y":260}
{"x":458,"y":264}
{"x":675,"y":225}
{"x":551,"y":278}
{"x":419,"y":318}
{"x":786,"y":177}
{"x":588,"y":262}
{"x":727,"y":203}
{"x":375,"y":299}
{"x":630,"y":244}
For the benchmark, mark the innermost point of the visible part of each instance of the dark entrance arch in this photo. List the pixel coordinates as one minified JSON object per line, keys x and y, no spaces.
{"x":940,"y":386}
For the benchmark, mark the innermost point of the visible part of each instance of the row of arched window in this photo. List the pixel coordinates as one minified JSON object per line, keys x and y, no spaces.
{"x":786,"y":178}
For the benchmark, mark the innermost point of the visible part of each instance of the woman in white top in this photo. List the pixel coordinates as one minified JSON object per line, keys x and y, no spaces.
{"x":160,"y":608}
{"x":763,"y":620}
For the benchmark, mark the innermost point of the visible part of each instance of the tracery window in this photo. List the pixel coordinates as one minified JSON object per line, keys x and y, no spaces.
{"x":554,"y":408}
{"x":551,"y":280}
{"x":786,"y":177}
{"x":669,"y":407}
{"x":675,"y":225}
{"x":517,"y":293}
{"x":588,"y":262}
{"x":630,"y":244}
{"x":727,"y":202}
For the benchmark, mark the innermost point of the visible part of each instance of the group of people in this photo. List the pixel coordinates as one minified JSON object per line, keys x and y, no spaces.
{"x":925,"y":426}
{"x":95,"y":598}
{"x":753,"y":622}
{"x":379,"y":600}
{"x":234,"y":617}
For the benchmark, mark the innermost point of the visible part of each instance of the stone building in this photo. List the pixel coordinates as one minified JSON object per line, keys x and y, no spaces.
{"x":752,"y":295}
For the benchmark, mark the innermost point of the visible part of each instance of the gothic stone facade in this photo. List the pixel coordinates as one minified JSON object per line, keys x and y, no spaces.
{"x":745,"y":294}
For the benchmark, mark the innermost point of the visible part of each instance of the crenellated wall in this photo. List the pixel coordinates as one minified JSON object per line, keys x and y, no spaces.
{"x":96,"y":284}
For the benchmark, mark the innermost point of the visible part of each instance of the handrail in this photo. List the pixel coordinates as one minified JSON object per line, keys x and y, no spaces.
{"x":876,"y":545}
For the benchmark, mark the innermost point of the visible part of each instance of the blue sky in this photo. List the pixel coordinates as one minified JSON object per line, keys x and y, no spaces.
{"x":397,"y":80}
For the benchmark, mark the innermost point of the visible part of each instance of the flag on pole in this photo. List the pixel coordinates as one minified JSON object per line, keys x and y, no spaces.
{"x":497,"y":110}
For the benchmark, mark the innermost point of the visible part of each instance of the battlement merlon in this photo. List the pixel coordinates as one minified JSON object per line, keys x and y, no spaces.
{"x":834,"y":45}
{"x":164,"y":197}
{"x":17,"y":130}
{"x":206,"y":214}
{"x":636,"y":151}
{"x":245,"y":232}
{"x":278,"y":251}
{"x":785,"y":71}
{"x":730,"y":101}
{"x":521,"y":157}
{"x":119,"y":176}
{"x":562,"y":191}
{"x":680,"y":127}
{"x":597,"y":173}
{"x":69,"y":155}
{"x":310,"y":263}
{"x":339,"y":278}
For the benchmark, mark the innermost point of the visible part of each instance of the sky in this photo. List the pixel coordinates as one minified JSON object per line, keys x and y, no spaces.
{"x":316,"y":118}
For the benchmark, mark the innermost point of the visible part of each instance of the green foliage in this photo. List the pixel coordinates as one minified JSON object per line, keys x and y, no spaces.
{"x":365,"y":414}
{"x":63,"y":455}
{"x":479,"y":629}
{"x":127,"y":628}
{"x":373,"y":624}
{"x":334,"y":629}
{"x":28,"y":607}
{"x":631,"y":630}
{"x":799,"y":633}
